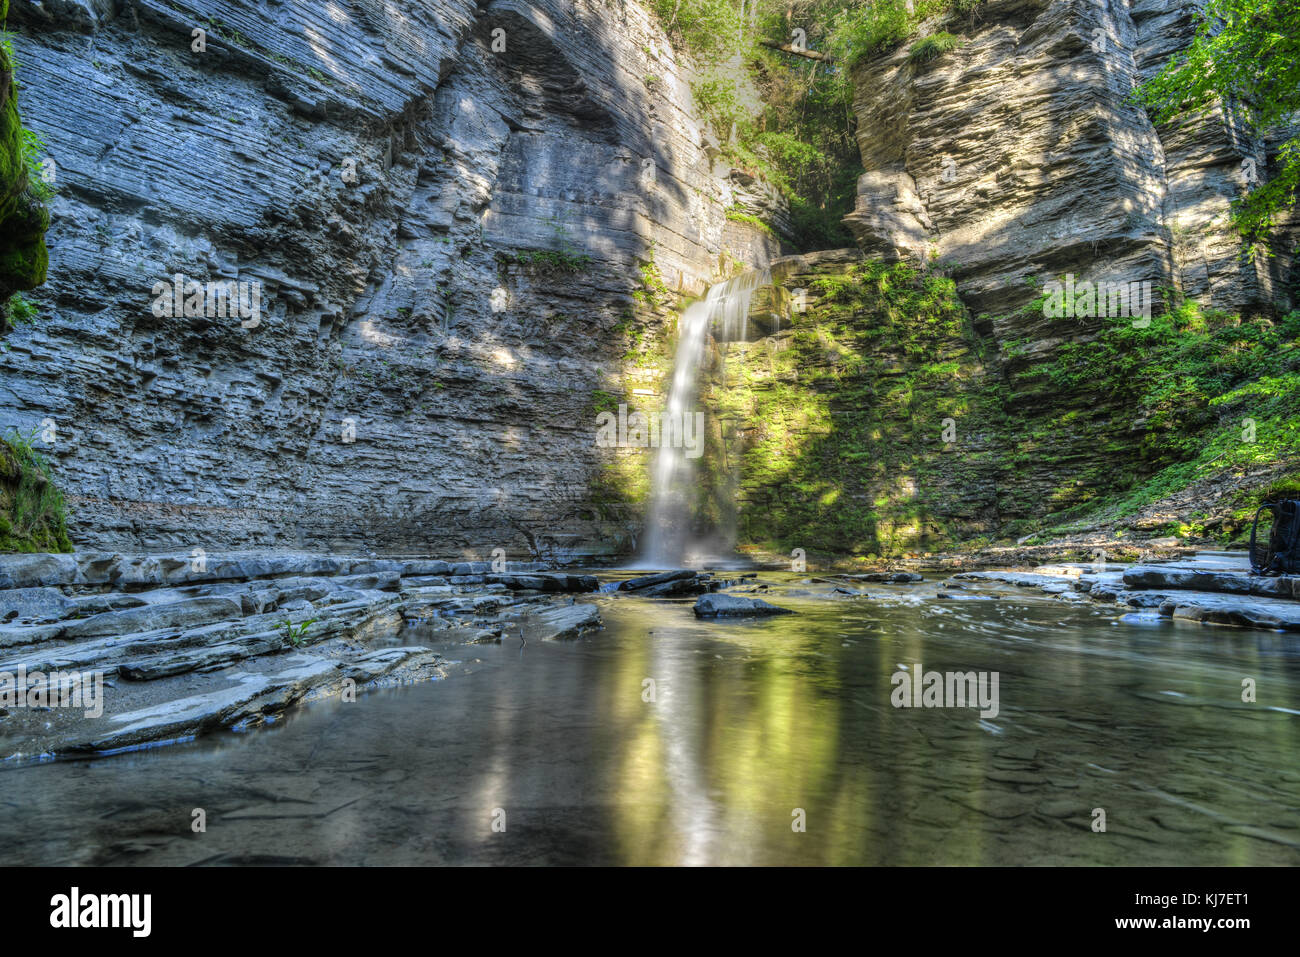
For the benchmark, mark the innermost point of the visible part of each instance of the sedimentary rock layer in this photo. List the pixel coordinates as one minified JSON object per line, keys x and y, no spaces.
{"x":140,"y":649}
{"x":1018,"y":155}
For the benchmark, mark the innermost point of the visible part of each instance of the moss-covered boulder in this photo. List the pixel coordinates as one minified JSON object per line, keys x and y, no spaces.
{"x":23,"y":217}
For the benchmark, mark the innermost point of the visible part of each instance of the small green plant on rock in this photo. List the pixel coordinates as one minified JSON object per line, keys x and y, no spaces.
{"x":563,"y":259}
{"x":602,"y":401}
{"x":654,"y":292}
{"x":18,"y":311}
{"x":553,"y":261}
{"x":296,"y":634}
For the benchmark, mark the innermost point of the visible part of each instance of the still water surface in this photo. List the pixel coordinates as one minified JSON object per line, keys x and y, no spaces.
{"x":750,"y":722}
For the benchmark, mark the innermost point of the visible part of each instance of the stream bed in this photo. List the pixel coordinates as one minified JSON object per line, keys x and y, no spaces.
{"x":663,"y":739}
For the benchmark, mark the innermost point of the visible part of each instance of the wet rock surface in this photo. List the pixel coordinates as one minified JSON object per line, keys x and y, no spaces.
{"x":1211,"y":580}
{"x":1214,"y":588}
{"x":184,"y":646}
{"x":672,"y":584}
{"x":892,"y":578}
{"x":735,"y":606}
{"x":557,"y":622}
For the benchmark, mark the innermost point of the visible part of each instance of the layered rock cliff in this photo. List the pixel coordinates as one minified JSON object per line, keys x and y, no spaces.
{"x":444,"y":210}
{"x":1018,"y":155}
{"x":456,"y":232}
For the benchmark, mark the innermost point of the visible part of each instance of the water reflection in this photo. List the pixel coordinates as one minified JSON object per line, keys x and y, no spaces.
{"x":748,"y":722}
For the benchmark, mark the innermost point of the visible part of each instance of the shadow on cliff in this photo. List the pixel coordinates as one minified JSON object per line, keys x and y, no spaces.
{"x":176,"y":160}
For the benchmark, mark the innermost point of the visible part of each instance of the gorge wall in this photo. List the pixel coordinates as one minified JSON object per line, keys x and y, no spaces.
{"x":448,"y":208}
{"x":1018,"y":155}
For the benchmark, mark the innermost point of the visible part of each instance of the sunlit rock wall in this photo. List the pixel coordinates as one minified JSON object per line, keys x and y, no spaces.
{"x":379,"y":173}
{"x":1018,"y":155}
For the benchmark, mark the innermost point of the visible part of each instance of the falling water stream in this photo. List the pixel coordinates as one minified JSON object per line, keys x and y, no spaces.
{"x":670,"y":538}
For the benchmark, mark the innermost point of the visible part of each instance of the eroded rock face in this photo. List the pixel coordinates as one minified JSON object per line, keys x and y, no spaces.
{"x":379,"y":171}
{"x":1018,"y":155}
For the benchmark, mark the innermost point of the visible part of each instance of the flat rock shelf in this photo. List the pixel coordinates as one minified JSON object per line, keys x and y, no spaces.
{"x":183,"y":645}
{"x":1214,"y":588}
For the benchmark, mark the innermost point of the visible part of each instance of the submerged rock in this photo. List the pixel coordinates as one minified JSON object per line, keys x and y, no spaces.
{"x":851,"y":592}
{"x":647,"y":581}
{"x":1019,"y":579}
{"x":560,"y":621}
{"x":734,"y":606}
{"x":1218,"y":609}
{"x":251,"y":700}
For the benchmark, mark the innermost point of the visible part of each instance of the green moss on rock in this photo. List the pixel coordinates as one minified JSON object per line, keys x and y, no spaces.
{"x":881,"y":423}
{"x":23,"y":217}
{"x":32,"y":511}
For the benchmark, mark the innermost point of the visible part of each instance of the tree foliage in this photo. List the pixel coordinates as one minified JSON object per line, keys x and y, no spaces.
{"x":1245,"y":54}
{"x":784,"y":117}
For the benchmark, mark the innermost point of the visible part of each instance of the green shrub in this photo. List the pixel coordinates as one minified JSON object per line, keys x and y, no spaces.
{"x":1202,"y":382}
{"x":32,"y":144}
{"x":33,"y":150}
{"x":602,"y":401}
{"x":736,"y":216}
{"x":652,"y":291}
{"x":798,"y":134}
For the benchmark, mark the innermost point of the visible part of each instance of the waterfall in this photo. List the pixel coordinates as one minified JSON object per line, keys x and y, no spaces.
{"x":668,"y":535}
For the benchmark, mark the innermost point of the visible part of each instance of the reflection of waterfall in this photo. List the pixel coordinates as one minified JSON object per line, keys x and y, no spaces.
{"x":668,"y":534}
{"x":685,"y":754}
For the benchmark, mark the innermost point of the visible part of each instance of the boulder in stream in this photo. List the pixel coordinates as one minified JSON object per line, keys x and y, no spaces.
{"x":559,"y":621}
{"x":888,"y":578}
{"x":734,"y":606}
{"x":671,"y":584}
